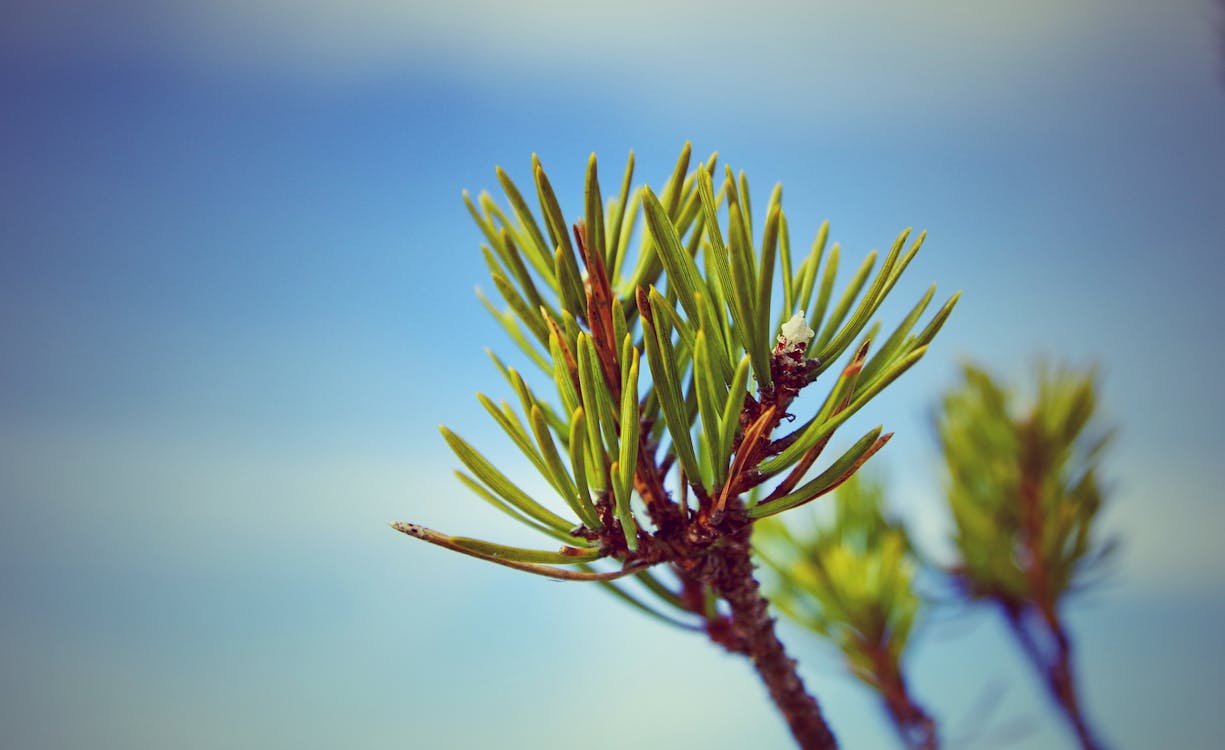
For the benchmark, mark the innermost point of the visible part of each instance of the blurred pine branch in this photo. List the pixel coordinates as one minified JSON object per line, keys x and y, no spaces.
{"x":852,"y":581}
{"x":1025,"y":496}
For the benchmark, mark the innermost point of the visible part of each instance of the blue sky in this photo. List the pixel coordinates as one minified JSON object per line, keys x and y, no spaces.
{"x":236,"y":300}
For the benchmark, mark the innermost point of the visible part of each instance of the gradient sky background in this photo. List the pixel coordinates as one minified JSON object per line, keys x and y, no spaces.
{"x":236,"y":300}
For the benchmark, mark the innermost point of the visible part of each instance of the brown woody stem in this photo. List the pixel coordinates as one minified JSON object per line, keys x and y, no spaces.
{"x":732,"y":577}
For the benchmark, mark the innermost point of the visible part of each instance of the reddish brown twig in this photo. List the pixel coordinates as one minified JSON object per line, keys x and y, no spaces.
{"x":914,"y":726}
{"x":1036,"y":621}
{"x":1048,"y":648}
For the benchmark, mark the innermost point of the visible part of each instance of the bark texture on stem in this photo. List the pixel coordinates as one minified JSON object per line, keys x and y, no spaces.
{"x":732,"y":577}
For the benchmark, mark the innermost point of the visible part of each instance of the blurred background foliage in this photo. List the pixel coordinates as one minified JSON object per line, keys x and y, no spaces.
{"x":853,"y":581}
{"x":1025,"y":482}
{"x":1025,"y":495}
{"x":1024,"y":489}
